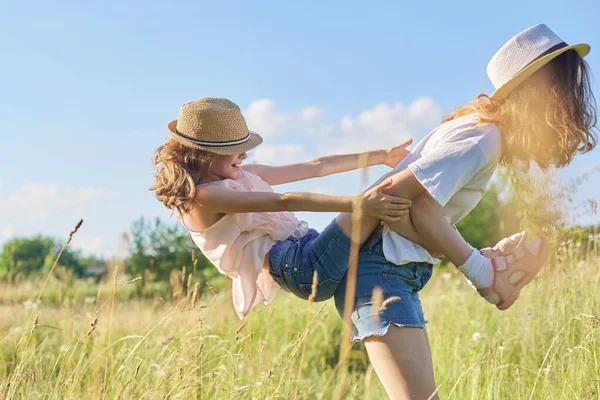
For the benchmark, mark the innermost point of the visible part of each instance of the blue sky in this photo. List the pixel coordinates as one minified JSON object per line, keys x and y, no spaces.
{"x":87,"y":90}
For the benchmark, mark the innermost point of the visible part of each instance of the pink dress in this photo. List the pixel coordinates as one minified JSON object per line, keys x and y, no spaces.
{"x":238,"y":243}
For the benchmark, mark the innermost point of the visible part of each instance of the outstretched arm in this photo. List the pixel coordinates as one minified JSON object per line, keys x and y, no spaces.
{"x":220,"y":200}
{"x":328,"y":165}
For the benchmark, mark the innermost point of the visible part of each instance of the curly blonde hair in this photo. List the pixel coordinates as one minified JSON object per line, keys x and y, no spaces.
{"x":178,"y":170}
{"x":548,"y":118}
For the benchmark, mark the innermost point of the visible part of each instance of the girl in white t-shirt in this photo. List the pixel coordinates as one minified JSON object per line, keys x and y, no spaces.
{"x":543,"y":110}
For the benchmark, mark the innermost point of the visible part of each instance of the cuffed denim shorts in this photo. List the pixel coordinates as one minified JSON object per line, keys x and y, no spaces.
{"x":400,"y":284}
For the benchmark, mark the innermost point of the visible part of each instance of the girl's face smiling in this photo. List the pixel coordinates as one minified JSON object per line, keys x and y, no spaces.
{"x":227,"y":166}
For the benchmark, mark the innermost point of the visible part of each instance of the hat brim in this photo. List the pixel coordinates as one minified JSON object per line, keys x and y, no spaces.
{"x":254,"y":140}
{"x":581,"y":48}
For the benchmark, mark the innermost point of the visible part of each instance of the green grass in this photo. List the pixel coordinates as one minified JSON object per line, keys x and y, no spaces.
{"x":547,"y":346}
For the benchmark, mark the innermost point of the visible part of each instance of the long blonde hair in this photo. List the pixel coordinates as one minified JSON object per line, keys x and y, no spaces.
{"x":549,"y":118}
{"x":178,"y":170}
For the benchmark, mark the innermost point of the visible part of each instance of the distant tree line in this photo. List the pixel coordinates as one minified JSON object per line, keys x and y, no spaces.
{"x":35,"y":255}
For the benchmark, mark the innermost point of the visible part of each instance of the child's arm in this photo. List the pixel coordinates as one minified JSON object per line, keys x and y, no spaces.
{"x":219,"y":200}
{"x":328,"y":165}
{"x":405,"y":185}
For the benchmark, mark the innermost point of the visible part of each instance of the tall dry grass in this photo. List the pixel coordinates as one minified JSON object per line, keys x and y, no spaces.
{"x":547,"y":346}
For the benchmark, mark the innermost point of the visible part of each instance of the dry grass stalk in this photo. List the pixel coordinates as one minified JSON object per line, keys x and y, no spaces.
{"x":139,"y":278}
{"x":238,"y":330}
{"x":212,"y":288}
{"x":35,"y":324}
{"x":73,"y":232}
{"x":341,"y":390}
{"x":110,"y":322}
{"x":175,"y":283}
{"x":314,"y":288}
{"x":167,"y":340}
{"x":388,"y":301}
{"x":38,"y":300}
{"x":311,"y":298}
{"x":377,"y":298}
{"x":376,"y":302}
{"x":194,"y":261}
{"x":594,"y":209}
{"x":93,"y":324}
{"x":189,"y":283}
{"x":195,"y":294}
{"x":352,"y":266}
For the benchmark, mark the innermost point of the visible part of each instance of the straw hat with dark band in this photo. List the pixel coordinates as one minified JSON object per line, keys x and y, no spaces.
{"x":524,"y":54}
{"x":215,"y":125}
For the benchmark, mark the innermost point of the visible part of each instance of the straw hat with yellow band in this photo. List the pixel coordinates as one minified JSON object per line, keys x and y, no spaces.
{"x":524,"y":54}
{"x":215,"y":125}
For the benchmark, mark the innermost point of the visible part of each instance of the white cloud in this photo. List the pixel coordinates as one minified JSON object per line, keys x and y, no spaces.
{"x":278,"y":154}
{"x":312,"y":113}
{"x":44,"y":201}
{"x":588,"y":169}
{"x":311,"y":122}
{"x":383,"y":126}
{"x":36,"y":208}
{"x":262,"y":116}
{"x":89,"y":244}
{"x":8,"y":232}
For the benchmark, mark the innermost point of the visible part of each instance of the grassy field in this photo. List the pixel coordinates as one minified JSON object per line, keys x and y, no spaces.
{"x":84,"y":344}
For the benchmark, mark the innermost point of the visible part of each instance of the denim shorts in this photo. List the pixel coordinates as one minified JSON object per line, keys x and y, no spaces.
{"x":400,"y":285}
{"x":293,"y":262}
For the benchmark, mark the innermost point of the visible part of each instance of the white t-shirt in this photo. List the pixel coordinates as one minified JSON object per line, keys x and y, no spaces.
{"x":454,"y":163}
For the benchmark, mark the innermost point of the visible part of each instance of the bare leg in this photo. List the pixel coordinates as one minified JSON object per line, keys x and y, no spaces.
{"x":367,"y":225}
{"x":402,"y":360}
{"x":428,"y":344}
{"x":430,"y":221}
{"x":430,"y":215}
{"x":404,"y":184}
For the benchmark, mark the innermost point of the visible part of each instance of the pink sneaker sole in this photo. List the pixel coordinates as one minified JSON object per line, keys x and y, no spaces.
{"x":515,"y":271}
